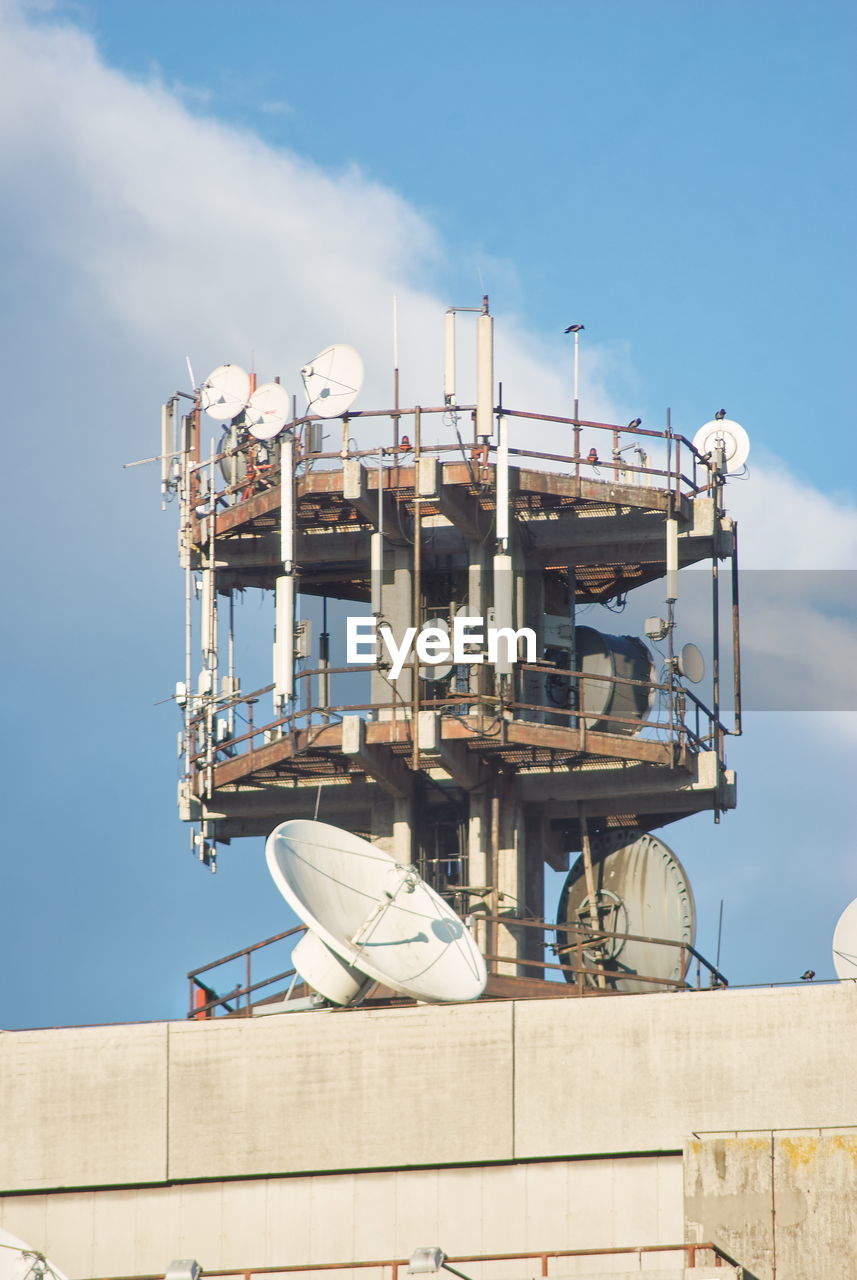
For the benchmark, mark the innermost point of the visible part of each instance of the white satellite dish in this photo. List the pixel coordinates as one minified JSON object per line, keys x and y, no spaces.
{"x":691,"y":663}
{"x":845,"y":943}
{"x":19,"y":1261}
{"x":728,"y":434}
{"x":369,"y":918}
{"x":332,"y":380}
{"x":642,"y":889}
{"x":268,"y":411}
{"x":225,"y":392}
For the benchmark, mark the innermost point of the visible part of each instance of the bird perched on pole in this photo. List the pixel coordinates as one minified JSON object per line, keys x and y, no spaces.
{"x":635,"y":423}
{"x":575,"y":328}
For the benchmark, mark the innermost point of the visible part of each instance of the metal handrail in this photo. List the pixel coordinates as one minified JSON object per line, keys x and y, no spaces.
{"x":692,"y":1253}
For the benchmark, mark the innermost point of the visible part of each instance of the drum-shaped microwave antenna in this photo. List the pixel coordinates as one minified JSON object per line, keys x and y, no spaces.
{"x":19,"y":1261}
{"x":268,"y":411}
{"x":605,"y":657}
{"x":731,"y":436}
{"x":641,"y":889}
{"x":333,"y":380}
{"x":369,"y":918}
{"x":225,"y":392}
{"x":845,"y":943}
{"x":691,"y":663}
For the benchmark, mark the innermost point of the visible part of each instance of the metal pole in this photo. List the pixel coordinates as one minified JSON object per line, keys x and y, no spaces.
{"x":594,"y":909}
{"x":736,"y":634}
{"x":416,"y":604}
{"x":576,"y":414}
{"x":396,"y":370}
{"x":494,"y":930}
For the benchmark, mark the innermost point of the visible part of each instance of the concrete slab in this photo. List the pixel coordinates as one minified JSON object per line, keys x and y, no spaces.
{"x":317,"y":1091}
{"x":82,"y":1106}
{"x":640,"y":1073}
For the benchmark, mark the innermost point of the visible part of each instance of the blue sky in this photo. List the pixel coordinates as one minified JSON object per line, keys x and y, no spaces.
{"x":197,"y":178}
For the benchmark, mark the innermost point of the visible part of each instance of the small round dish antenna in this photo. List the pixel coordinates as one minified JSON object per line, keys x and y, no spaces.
{"x":731,"y":436}
{"x":370,"y":919}
{"x":19,"y":1261}
{"x":691,"y":663}
{"x":845,"y":943}
{"x":333,"y":380}
{"x":225,"y":392}
{"x":268,"y":411}
{"x":641,"y":889}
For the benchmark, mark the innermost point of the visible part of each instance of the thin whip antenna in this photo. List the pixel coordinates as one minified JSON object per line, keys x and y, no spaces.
{"x":190,"y":373}
{"x":396,"y":350}
{"x":719,"y":935}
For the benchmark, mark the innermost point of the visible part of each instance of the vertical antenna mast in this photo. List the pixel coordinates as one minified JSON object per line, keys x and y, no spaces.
{"x":449,"y":357}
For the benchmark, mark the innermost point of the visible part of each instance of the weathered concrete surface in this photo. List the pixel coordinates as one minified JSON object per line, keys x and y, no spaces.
{"x":640,"y":1073}
{"x":728,"y":1196}
{"x":784,"y":1203}
{"x":369,"y":1089}
{"x":81,"y":1106}
{"x":354,"y":1216}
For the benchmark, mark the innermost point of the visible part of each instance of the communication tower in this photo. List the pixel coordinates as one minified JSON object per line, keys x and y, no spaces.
{"x":479,"y":768}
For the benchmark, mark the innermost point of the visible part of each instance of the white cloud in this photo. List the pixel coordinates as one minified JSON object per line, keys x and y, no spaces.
{"x":190,"y":234}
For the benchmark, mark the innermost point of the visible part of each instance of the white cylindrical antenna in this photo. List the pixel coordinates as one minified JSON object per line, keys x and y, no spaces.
{"x":672,"y":560}
{"x":485,"y":376}
{"x":503,"y":608}
{"x":287,"y":507}
{"x":168,"y":413}
{"x":503,"y":482}
{"x":206,"y":617}
{"x":376,"y":566}
{"x":190,"y":374}
{"x":449,"y":358}
{"x":284,"y":640}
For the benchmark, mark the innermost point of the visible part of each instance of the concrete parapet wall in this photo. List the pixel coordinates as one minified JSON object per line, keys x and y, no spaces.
{"x":380,"y":1088}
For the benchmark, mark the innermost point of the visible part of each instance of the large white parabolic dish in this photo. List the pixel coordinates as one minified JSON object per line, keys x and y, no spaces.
{"x":333,"y":380}
{"x":642,"y":889}
{"x":845,"y":943}
{"x":17,"y":1260}
{"x":733,"y":438}
{"x":268,"y":410}
{"x":225,"y":392}
{"x":376,"y":915}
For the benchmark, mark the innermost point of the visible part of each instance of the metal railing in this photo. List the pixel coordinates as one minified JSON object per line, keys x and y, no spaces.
{"x":699,"y":730}
{"x":261,"y":462}
{"x":690,"y":1255}
{"x":583,"y":974}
